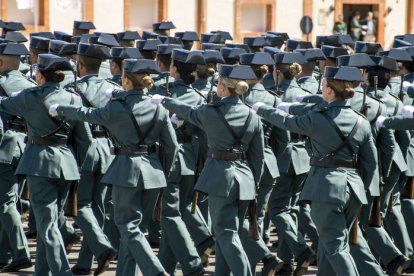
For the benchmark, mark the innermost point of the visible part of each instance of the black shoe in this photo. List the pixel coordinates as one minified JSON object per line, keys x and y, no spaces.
{"x":398,"y":265}
{"x":205,"y":249}
{"x":31,"y":234}
{"x":286,"y":270}
{"x":3,"y":265}
{"x":271,"y":265}
{"x":77,"y":270}
{"x":274,"y":244}
{"x":266,"y":239}
{"x":304,"y":260}
{"x":154,"y":244}
{"x":17,"y":265}
{"x":198,"y":272}
{"x":70,"y":242}
{"x":104,"y":260}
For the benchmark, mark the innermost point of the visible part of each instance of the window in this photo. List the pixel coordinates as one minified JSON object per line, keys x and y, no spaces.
{"x":253,"y":17}
{"x":27,"y":12}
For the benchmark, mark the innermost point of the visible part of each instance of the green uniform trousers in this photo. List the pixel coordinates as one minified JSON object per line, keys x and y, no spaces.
{"x":307,"y":226}
{"x":12,"y":238}
{"x":227,"y":217}
{"x":135,"y":251}
{"x":90,"y":218}
{"x":45,"y":197}
{"x":333,"y":222}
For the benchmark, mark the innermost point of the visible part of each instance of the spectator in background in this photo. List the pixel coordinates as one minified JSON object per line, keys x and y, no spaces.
{"x":340,"y":26}
{"x":370,"y":27}
{"x":356,"y":28}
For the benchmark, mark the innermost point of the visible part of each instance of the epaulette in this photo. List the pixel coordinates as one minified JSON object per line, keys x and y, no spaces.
{"x":72,"y":91}
{"x":112,"y":82}
{"x":321,"y":109}
{"x":273,"y":93}
{"x":373,"y":98}
{"x":360,"y":114}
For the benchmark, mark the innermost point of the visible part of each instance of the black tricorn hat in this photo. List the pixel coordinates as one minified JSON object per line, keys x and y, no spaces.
{"x":333,"y":52}
{"x":294,"y":44}
{"x":142,"y":66}
{"x":232,"y":53}
{"x":212,"y":46}
{"x":39,"y":43}
{"x":224,"y":34}
{"x":213,"y":56}
{"x":385,"y":63}
{"x":255,"y":41}
{"x":370,"y":48}
{"x":185,"y":56}
{"x":239,"y":72}
{"x":359,"y":60}
{"x":13,"y":49}
{"x":83,"y":25}
{"x":170,"y":40}
{"x":94,"y":50}
{"x":148,"y":45}
{"x":13,"y":26}
{"x":339,"y":40}
{"x":187,"y":36}
{"x":125,"y":53}
{"x":128,"y":35}
{"x":163,"y":25}
{"x":49,"y":62}
{"x":313,"y":54}
{"x":343,"y":73}
{"x":399,"y":54}
{"x":167,"y":49}
{"x":212,"y":38}
{"x":289,"y":58}
{"x":15,"y":37}
{"x":44,"y":34}
{"x":258,"y":58}
{"x":149,"y":35}
{"x":62,"y":36}
{"x":284,"y":36}
{"x":62,"y":48}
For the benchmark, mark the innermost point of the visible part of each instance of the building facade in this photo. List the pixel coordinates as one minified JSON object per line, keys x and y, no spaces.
{"x":240,"y":17}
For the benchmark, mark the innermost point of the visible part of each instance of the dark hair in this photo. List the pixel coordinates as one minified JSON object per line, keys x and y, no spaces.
{"x":148,"y":54}
{"x":118,"y":62}
{"x":205,"y":71}
{"x":343,"y":90}
{"x":188,"y":45}
{"x":409,"y":65}
{"x":164,"y":59}
{"x":383,"y":77}
{"x":185,"y":70}
{"x":260,"y":70}
{"x":53,"y":76}
{"x":91,"y":64}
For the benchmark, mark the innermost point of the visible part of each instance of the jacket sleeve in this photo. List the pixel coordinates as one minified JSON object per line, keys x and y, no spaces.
{"x":369,"y":163}
{"x":255,"y":152}
{"x":386,"y":143}
{"x":99,"y":116}
{"x":15,"y":105}
{"x":399,"y":123}
{"x":194,"y":115}
{"x":169,"y":143}
{"x":297,"y":124}
{"x":83,"y":138}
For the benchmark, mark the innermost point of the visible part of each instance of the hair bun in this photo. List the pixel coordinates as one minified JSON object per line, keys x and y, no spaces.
{"x":264,"y":69}
{"x":295,"y":69}
{"x":241,"y":87}
{"x":210,"y":71}
{"x":147,"y":82}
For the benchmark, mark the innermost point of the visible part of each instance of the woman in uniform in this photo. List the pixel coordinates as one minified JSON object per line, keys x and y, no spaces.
{"x":340,"y":138}
{"x":235,"y":140}
{"x":136,"y":173}
{"x":49,"y":161}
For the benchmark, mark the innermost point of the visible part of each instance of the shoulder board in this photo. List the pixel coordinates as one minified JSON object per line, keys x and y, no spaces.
{"x":112,"y":82}
{"x":321,"y":109}
{"x":72,"y":91}
{"x":273,"y":93}
{"x":395,"y":97}
{"x":29,"y":79}
{"x":360,"y":114}
{"x":306,"y":90}
{"x":373,"y":98}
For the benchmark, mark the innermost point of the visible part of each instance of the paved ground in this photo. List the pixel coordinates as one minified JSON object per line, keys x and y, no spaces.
{"x":74,"y":254}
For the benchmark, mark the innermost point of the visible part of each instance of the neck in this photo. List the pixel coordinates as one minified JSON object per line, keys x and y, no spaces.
{"x":82,"y":74}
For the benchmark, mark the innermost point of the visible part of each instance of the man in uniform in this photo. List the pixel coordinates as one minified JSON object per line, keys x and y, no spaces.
{"x":82,"y":27}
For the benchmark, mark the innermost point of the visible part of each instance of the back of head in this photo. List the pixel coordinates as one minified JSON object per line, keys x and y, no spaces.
{"x":91,"y":64}
{"x":236,"y":87}
{"x":260,"y":71}
{"x":185,"y":70}
{"x":139,"y":81}
{"x":205,"y":71}
{"x":343,"y":90}
{"x":383,"y":77}
{"x":290,"y":71}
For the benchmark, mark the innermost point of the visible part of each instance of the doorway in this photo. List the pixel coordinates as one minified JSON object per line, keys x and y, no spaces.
{"x":348,"y":7}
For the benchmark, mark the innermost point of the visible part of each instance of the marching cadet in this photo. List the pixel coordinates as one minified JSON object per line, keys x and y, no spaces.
{"x":127,"y":38}
{"x":48,"y":178}
{"x":205,"y":74}
{"x":110,"y":41}
{"x":176,"y":241}
{"x":163,"y":60}
{"x":240,"y":142}
{"x":331,"y":53}
{"x":82,"y":27}
{"x":118,"y":54}
{"x":378,"y":77}
{"x":340,"y":190}
{"x":268,"y":80}
{"x":293,"y":162}
{"x":11,"y":27}
{"x":12,"y":238}
{"x":91,"y":190}
{"x":38,"y":45}
{"x":188,"y":38}
{"x":163,"y":28}
{"x":67,"y":50}
{"x":306,"y":80}
{"x":149,"y":47}
{"x":136,"y":173}
{"x":257,"y":250}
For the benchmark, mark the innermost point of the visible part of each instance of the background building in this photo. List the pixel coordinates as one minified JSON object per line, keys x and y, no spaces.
{"x":240,"y":17}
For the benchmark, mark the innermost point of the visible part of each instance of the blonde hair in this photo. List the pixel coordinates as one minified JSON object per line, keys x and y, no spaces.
{"x":235,"y":87}
{"x":290,"y":71}
{"x":260,"y":70}
{"x":140,"y":81}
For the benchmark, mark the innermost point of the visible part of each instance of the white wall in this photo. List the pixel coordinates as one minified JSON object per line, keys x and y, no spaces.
{"x":142,"y":14}
{"x":184,"y":14}
{"x":109,"y":15}
{"x":395,"y":20}
{"x":220,"y":15}
{"x":253,"y":17}
{"x":62,"y":16}
{"x":288,"y":15}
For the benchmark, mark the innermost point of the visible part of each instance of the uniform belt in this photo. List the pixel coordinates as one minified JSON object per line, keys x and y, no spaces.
{"x":15,"y":126}
{"x":225,"y":155}
{"x":141,"y":150}
{"x":295,"y":136}
{"x":182,"y":138}
{"x":45,"y":141}
{"x":332,"y":163}
{"x":267,"y":141}
{"x":99,"y":133}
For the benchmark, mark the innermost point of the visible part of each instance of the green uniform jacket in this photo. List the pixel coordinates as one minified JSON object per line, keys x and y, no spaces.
{"x":399,"y":122}
{"x":93,"y":88}
{"x":40,"y":160}
{"x":126,"y":170}
{"x":257,"y":93}
{"x":395,"y":84}
{"x":308,"y":84}
{"x":188,"y":152}
{"x":12,"y":144}
{"x":219,"y":176}
{"x":329,"y":184}
{"x":294,"y":151}
{"x":394,"y":106}
{"x":105,"y":71}
{"x":160,"y":81}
